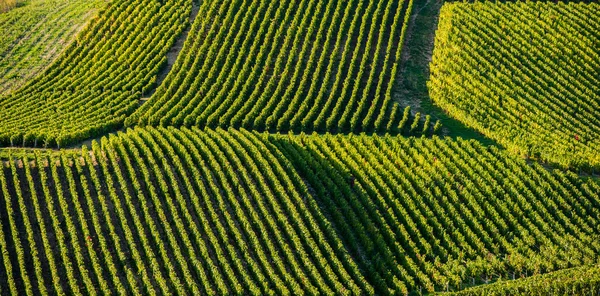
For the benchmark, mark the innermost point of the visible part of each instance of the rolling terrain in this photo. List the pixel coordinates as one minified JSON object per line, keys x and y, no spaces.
{"x":286,"y":65}
{"x":524,"y":74}
{"x":35,"y":32}
{"x":300,"y":147}
{"x":99,"y":79}
{"x":227,"y":212}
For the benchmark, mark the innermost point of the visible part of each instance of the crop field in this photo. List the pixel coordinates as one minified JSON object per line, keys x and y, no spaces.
{"x":35,"y":33}
{"x":159,"y":210}
{"x":300,"y":147}
{"x":526,"y":75}
{"x":301,"y":66}
{"x":99,"y":79}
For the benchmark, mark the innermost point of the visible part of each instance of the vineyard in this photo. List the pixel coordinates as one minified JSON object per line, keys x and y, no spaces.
{"x":99,"y":79}
{"x":524,"y":74}
{"x":230,"y":212}
{"x":445,"y":214}
{"x":287,"y":66}
{"x":34,"y":35}
{"x":287,"y":147}
{"x":575,"y":281}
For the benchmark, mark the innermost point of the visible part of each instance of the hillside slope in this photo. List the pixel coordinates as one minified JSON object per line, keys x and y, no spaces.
{"x":299,"y":65}
{"x":127,"y":219}
{"x":221,"y":212}
{"x":443,"y":214}
{"x":99,"y":79}
{"x":526,"y":74}
{"x":36,"y":33}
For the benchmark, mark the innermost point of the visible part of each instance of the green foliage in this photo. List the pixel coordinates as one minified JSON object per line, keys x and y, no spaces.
{"x":286,"y":66}
{"x":162,"y":210}
{"x":99,"y":79}
{"x":442,"y":215}
{"x":36,"y":34}
{"x":193,"y":209}
{"x":575,"y":281}
{"x":526,"y":74}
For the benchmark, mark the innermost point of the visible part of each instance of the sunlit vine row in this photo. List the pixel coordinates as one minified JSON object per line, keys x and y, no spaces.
{"x":190,"y":211}
{"x":298,"y":65}
{"x":526,"y":74}
{"x":441,"y":214}
{"x":162,"y":211}
{"x":99,"y":79}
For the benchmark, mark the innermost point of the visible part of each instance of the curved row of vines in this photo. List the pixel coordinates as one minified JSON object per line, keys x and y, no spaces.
{"x":99,"y":79}
{"x":36,"y":34}
{"x":526,"y":74}
{"x":160,"y":210}
{"x":293,"y":65}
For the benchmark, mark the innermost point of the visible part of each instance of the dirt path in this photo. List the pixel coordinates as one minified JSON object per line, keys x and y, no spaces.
{"x":411,"y":83}
{"x":171,"y":58}
{"x":416,"y":54}
{"x":173,"y":53}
